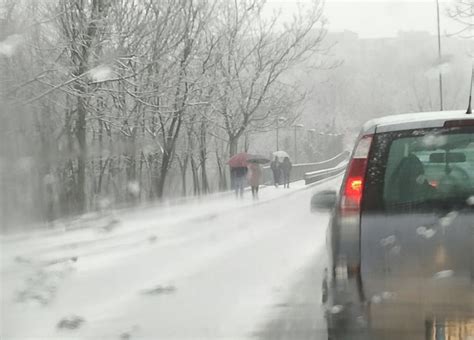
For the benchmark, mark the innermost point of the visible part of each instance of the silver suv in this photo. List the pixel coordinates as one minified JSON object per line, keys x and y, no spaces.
{"x":401,"y":236}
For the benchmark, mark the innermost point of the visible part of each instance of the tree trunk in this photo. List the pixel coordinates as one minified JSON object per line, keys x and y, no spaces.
{"x":196,"y":188}
{"x":163,"y":173}
{"x":222,"y":173}
{"x":82,"y":155}
{"x":102,"y":167}
{"x":203,"y":158}
{"x":140,"y":174}
{"x":184,"y":167}
{"x":204,"y":180}
{"x":233,"y":145}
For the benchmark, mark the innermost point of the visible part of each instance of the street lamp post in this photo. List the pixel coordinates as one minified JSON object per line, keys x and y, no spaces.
{"x":278,"y":121}
{"x":277,"y":142}
{"x":313,"y":151}
{"x":297,"y":126}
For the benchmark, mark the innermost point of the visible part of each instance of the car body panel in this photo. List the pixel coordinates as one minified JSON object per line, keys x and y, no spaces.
{"x":417,"y":257}
{"x":422,"y":262}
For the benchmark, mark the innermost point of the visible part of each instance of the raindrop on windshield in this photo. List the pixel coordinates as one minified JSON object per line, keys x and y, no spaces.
{"x":133,"y":187}
{"x":470,"y":201}
{"x":388,"y":295}
{"x":389,"y":240}
{"x":337,"y":309}
{"x":443,"y":274}
{"x":376,"y":299}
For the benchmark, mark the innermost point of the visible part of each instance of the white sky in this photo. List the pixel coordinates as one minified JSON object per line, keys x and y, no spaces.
{"x":379,"y":18}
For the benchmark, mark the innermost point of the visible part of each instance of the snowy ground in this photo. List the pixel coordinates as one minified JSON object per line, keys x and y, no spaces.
{"x":199,"y":270}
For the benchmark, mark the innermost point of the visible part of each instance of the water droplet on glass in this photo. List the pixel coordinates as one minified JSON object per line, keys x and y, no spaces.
{"x":337,"y":309}
{"x":389,"y":240}
{"x":445,"y":221}
{"x":421,"y":231}
{"x":443,"y":274}
{"x":388,"y":295}
{"x":452,"y":215}
{"x":376,"y":299}
{"x":429,"y":233}
{"x":395,"y":250}
{"x":133,"y":187}
{"x":470,"y":200}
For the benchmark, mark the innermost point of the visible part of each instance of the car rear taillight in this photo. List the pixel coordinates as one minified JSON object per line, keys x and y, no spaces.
{"x":348,"y":259}
{"x":355,"y":179}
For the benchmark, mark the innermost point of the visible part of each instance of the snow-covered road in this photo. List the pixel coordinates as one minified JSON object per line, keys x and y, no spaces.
{"x":212,"y":269}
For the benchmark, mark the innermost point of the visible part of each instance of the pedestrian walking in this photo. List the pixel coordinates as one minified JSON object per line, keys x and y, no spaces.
{"x":275,"y":166}
{"x":254,"y":177}
{"x":286,"y":171}
{"x":238,"y":180}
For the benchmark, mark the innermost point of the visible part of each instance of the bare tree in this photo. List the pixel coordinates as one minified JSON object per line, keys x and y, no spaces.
{"x":119,"y":94}
{"x":254,"y":55}
{"x":80,"y":26}
{"x":462,"y":11}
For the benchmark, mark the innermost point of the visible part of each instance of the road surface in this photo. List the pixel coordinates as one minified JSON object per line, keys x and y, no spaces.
{"x":220,"y":268}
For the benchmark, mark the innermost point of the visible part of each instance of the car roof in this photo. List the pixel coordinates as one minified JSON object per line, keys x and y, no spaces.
{"x":409,"y":121}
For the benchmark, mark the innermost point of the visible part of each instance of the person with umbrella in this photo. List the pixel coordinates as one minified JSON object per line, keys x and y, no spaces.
{"x":254,"y":175}
{"x":238,"y":178}
{"x":275,"y":166}
{"x":286,"y":171}
{"x":238,"y":171}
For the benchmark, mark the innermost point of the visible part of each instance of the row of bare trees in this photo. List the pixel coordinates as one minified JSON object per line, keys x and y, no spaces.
{"x":110,"y":101}
{"x":462,"y":11}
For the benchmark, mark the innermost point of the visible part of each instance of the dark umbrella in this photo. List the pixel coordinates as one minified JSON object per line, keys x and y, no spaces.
{"x":238,"y":160}
{"x":259,"y":159}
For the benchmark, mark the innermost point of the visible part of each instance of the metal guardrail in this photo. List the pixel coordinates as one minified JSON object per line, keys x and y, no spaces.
{"x":316,"y":176}
{"x":299,"y":171}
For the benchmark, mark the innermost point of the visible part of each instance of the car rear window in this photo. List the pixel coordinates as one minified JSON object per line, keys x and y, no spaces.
{"x":420,"y":169}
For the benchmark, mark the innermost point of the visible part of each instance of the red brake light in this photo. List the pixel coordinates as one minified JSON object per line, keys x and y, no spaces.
{"x":349,"y":208}
{"x":355,"y":180}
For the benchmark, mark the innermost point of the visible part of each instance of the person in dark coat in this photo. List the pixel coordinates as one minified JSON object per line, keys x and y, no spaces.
{"x":286,"y":171}
{"x":275,"y":166}
{"x":238,"y":180}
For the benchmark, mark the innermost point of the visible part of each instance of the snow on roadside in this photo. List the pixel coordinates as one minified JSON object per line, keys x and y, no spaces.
{"x":208,"y":272}
{"x":159,"y":220}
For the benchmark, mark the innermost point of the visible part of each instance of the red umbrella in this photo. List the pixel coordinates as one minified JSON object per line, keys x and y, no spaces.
{"x":238,"y":160}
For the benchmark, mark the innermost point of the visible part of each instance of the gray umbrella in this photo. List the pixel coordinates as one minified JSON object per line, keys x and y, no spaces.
{"x":281,"y":155}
